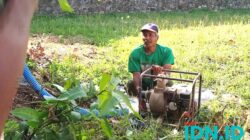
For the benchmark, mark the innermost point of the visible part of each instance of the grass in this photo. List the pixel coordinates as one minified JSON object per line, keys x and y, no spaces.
{"x":100,"y":29}
{"x":215,"y":43}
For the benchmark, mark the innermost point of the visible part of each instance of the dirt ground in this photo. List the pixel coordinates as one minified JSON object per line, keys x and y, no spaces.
{"x":26,"y":97}
{"x":46,"y":47}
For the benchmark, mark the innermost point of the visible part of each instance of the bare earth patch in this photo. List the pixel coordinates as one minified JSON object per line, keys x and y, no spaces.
{"x":54,"y":48}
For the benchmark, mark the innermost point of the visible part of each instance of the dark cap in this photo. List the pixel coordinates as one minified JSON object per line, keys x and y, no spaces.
{"x":150,"y":27}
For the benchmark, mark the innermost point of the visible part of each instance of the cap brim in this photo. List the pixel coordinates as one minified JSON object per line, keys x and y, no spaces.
{"x":148,"y":30}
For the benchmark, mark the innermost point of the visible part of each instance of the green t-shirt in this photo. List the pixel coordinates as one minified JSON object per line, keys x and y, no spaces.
{"x":140,"y":61}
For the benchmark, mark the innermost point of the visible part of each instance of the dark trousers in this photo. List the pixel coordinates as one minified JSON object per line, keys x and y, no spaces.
{"x":131,"y":89}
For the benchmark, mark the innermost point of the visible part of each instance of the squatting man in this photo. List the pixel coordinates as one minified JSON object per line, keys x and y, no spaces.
{"x":149,"y":54}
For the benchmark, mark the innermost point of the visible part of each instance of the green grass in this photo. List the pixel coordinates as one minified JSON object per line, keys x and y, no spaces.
{"x":214,"y":43}
{"x":100,"y":29}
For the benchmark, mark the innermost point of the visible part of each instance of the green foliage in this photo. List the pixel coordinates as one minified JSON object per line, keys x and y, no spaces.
{"x":213,"y":43}
{"x":57,"y":117}
{"x":32,"y":116}
{"x":104,"y":81}
{"x":26,"y":114}
{"x":125,"y":99}
{"x":103,"y":29}
{"x":72,"y":94}
{"x":90,"y":89}
{"x":42,"y":122}
{"x":64,"y":73}
{"x":60,"y":88}
{"x":106,"y":102}
{"x":11,"y":132}
{"x":106,"y":127}
{"x":30,"y":63}
{"x":110,"y":97}
{"x":65,"y":6}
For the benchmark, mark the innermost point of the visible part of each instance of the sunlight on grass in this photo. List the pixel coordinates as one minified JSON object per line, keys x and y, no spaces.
{"x":101,"y":28}
{"x":220,"y":53}
{"x":215,"y":44}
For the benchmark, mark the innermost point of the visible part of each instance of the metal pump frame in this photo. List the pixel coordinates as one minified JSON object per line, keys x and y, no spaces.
{"x":198,"y":77}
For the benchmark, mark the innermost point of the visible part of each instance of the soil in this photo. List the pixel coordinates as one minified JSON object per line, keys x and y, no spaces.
{"x":53,"y":47}
{"x":26,"y":97}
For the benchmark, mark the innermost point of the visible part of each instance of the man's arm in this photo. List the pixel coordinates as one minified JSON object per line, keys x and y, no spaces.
{"x":15,"y":21}
{"x":167,"y":67}
{"x":158,"y":69}
{"x":137,"y":80}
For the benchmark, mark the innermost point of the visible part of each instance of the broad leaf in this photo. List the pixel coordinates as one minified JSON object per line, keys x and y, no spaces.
{"x":106,"y":102}
{"x":121,"y":96}
{"x":54,"y":100}
{"x":106,"y":128}
{"x":28,"y":114}
{"x":103,"y":97}
{"x":114,"y":82}
{"x":108,"y":105}
{"x":104,"y":81}
{"x":64,"y":4}
{"x":34,"y":124}
{"x":68,"y":84}
{"x":74,"y":93}
{"x":60,"y":88}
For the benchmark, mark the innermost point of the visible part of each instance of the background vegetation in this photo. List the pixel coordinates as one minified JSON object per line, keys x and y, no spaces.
{"x":215,"y":43}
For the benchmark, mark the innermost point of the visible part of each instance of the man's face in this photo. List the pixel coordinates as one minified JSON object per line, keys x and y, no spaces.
{"x":149,"y":38}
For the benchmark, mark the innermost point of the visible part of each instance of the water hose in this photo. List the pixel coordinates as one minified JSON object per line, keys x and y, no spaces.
{"x":45,"y":94}
{"x":33,"y":82}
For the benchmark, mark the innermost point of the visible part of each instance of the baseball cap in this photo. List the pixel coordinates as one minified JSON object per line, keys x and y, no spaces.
{"x":150,"y":27}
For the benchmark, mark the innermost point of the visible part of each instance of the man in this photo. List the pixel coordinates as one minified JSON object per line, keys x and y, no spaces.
{"x":15,"y":18}
{"x":150,"y":54}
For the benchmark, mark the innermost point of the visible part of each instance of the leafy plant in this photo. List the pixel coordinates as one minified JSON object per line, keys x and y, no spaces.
{"x":65,"y":6}
{"x":213,"y":43}
{"x":63,"y":111}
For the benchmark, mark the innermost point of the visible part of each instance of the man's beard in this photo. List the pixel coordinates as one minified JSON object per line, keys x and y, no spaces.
{"x":147,"y":43}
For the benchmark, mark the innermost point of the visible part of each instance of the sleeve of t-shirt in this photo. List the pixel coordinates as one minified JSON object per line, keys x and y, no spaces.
{"x":169,"y":57}
{"x":133,"y":63}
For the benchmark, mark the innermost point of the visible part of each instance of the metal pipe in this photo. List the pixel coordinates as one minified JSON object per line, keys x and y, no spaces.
{"x":193,"y":92}
{"x":176,"y":79}
{"x":199,"y":97}
{"x":191,"y":98}
{"x":177,"y":71}
{"x":140,"y":89}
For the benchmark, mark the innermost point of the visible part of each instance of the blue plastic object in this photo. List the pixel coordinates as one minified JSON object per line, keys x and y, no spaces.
{"x":45,"y":94}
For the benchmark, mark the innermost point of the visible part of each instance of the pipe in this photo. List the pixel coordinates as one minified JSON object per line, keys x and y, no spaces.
{"x":45,"y":94}
{"x":33,"y":82}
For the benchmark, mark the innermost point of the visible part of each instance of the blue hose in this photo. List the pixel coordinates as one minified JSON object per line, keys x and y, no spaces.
{"x":44,"y":93}
{"x":34,"y":84}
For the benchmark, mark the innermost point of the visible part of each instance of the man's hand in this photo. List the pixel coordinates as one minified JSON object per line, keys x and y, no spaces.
{"x":156,"y":69}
